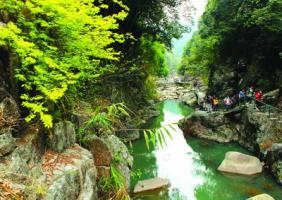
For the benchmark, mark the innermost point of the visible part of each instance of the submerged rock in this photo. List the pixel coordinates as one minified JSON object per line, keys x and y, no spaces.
{"x":239,"y":163}
{"x":151,"y":184}
{"x":261,"y":197}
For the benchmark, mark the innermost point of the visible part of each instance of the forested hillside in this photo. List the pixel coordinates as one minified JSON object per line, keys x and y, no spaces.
{"x":70,"y":70}
{"x":91,"y":107}
{"x":54,"y":52}
{"x":239,"y":43}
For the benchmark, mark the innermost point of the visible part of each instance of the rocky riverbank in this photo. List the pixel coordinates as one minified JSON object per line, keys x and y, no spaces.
{"x":36,"y":163}
{"x":183,"y":91}
{"x":251,"y":128}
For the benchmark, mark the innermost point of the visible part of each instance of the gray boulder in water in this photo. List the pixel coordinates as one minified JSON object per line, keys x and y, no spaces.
{"x":239,"y":163}
{"x":151,"y":184}
{"x":261,"y":197}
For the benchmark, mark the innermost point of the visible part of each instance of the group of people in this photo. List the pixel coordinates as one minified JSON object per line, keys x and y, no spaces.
{"x":211,"y":102}
{"x":250,"y":94}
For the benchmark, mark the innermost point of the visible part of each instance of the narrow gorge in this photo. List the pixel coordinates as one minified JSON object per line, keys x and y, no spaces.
{"x":142,"y":100}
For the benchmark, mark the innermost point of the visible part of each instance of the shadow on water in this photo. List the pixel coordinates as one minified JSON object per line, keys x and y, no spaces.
{"x":191,"y":165}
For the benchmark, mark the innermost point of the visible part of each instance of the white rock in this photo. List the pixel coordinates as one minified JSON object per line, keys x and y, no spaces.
{"x":239,"y":163}
{"x":151,"y":184}
{"x":261,"y":197}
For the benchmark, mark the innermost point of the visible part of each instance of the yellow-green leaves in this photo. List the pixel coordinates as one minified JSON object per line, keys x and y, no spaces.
{"x":57,"y":41}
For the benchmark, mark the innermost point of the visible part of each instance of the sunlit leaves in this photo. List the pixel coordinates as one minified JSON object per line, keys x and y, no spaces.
{"x":57,"y":41}
{"x":158,"y":137}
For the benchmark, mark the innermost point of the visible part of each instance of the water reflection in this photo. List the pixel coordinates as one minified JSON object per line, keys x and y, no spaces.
{"x":177,"y":161}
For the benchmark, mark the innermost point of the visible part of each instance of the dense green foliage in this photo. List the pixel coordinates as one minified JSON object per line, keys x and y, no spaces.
{"x":153,"y":53}
{"x":57,"y":42}
{"x":235,"y":33}
{"x":143,"y":57}
{"x":83,"y":49}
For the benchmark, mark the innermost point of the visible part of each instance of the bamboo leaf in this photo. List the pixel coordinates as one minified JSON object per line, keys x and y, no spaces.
{"x":147,"y":140}
{"x":168,"y":133}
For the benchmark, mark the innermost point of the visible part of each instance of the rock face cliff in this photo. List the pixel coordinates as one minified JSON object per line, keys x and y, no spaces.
{"x":34,"y":166}
{"x":253,"y":129}
{"x":229,"y":79}
{"x":36,"y":163}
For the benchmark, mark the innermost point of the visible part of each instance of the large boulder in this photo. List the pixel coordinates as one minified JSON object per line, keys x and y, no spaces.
{"x":261,"y":197}
{"x":189,"y":98}
{"x":62,"y":136}
{"x":252,"y":128}
{"x":121,"y":157}
{"x":239,"y":163}
{"x":107,"y":151}
{"x":274,"y":161}
{"x":213,"y":126}
{"x":36,"y":172}
{"x":99,"y":149}
{"x":29,"y":151}
{"x":71,"y":175}
{"x":272,"y":96}
{"x":151,"y":185}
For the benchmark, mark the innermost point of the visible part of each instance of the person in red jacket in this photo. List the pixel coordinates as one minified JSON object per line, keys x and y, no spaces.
{"x":258,"y":95}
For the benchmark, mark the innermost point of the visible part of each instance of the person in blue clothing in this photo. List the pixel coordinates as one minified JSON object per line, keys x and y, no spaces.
{"x":242,"y":96}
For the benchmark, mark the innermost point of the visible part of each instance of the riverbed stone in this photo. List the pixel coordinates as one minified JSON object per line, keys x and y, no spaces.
{"x":151,"y":184}
{"x":239,"y":163}
{"x":62,"y":136}
{"x":261,"y":197}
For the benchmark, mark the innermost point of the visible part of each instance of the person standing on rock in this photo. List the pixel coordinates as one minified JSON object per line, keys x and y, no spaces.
{"x":215,"y":103}
{"x":227,"y":102}
{"x":208,"y":103}
{"x":250,"y":93}
{"x":259,"y":97}
{"x":242,"y":96}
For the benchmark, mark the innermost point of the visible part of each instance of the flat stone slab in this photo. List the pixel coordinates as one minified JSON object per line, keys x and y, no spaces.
{"x":239,"y":163}
{"x":261,"y":197}
{"x":151,"y":184}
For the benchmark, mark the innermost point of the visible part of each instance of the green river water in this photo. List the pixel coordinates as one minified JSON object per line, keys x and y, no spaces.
{"x":191,"y":165}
